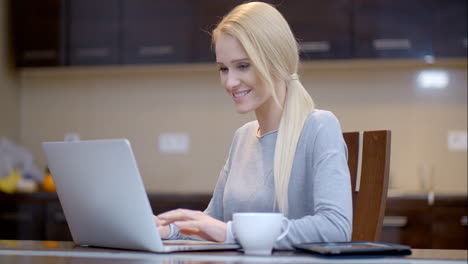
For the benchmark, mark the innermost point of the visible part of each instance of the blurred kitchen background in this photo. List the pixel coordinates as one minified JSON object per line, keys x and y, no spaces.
{"x":142,"y":70}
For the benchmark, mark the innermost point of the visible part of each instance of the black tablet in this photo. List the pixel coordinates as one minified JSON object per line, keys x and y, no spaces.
{"x":355,"y":248}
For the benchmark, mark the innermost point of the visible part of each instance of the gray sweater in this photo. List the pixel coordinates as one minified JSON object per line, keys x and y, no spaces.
{"x":320,"y":203}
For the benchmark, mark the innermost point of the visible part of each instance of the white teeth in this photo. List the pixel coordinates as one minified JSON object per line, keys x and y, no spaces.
{"x":237,"y":95}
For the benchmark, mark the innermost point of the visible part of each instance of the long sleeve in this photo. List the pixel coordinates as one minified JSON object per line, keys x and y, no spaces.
{"x":329,"y":185}
{"x":320,"y":202}
{"x":215,"y":207}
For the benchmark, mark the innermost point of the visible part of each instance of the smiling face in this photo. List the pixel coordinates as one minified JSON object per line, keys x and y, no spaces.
{"x":239,"y":77}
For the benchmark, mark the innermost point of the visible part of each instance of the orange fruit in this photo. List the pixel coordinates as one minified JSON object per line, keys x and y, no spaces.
{"x":48,"y":183}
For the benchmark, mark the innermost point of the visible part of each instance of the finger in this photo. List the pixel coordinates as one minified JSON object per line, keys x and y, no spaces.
{"x":186,"y":231}
{"x":164,"y":231}
{"x":188,"y":224}
{"x":192,"y":228}
{"x":175,"y":213}
{"x":189,"y":231}
{"x":156,"y":219}
{"x":178,"y":215}
{"x":159,"y":222}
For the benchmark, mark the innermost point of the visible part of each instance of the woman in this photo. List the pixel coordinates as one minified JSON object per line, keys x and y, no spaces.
{"x":292,"y":159}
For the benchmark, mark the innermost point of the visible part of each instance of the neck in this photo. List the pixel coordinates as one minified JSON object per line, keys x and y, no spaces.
{"x":270,"y":121}
{"x":269,"y":114}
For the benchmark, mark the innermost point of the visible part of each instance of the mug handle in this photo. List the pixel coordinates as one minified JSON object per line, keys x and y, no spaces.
{"x":285,"y":232}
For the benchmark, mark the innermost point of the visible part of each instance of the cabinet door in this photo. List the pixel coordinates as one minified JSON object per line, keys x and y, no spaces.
{"x":209,"y":14}
{"x":21,"y":220}
{"x":450,"y":223}
{"x":323,"y":28}
{"x":56,"y":227}
{"x":38,"y":32}
{"x":93,"y":32}
{"x":393,"y":28}
{"x":450,"y":30}
{"x":407,"y":221}
{"x":157,"y":31}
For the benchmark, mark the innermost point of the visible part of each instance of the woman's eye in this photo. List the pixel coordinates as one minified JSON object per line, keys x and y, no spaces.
{"x":244,"y":66}
{"x":223,"y":69}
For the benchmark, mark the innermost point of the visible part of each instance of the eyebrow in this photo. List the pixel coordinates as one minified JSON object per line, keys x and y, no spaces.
{"x":233,"y":61}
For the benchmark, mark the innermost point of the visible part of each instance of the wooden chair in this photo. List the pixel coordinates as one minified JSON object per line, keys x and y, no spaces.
{"x":369,"y":163}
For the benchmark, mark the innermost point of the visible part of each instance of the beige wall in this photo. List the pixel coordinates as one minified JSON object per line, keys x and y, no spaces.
{"x":140,"y":103}
{"x":9,"y":82}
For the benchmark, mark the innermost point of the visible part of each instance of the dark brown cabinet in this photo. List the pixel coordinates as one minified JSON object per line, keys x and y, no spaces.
{"x":410,"y":220}
{"x":93,"y":32}
{"x":21,"y":217}
{"x":157,"y":31}
{"x":319,"y":36}
{"x":450,"y":28}
{"x":450,"y":223}
{"x":39,"y":216}
{"x":86,"y":32}
{"x":208,"y":14}
{"x":322,"y":28}
{"x":407,"y":221}
{"x":55,"y":225}
{"x":421,"y":223}
{"x":393,"y":28}
{"x":38,"y":32}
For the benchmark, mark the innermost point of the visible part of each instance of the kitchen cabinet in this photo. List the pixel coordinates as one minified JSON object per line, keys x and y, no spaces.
{"x":319,"y":36}
{"x":55,"y":225}
{"x":38,"y":32}
{"x":407,"y":221}
{"x":208,"y":14}
{"x":322,"y":28}
{"x":93,"y":32}
{"x":450,"y":223}
{"x":450,"y":28}
{"x":393,"y":28}
{"x":157,"y":31}
{"x":423,"y":222}
{"x":129,"y":31}
{"x":39,"y":216}
{"x":21,"y":217}
{"x":412,"y":220}
{"x":116,"y":32}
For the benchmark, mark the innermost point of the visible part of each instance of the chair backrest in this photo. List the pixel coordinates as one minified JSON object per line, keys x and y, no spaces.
{"x":369,"y":164}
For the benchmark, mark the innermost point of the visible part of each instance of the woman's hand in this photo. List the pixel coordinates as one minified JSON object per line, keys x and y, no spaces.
{"x":164,"y":230}
{"x":194,"y":223}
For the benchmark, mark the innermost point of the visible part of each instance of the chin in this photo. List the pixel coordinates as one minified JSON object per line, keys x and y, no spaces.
{"x":243,"y":110}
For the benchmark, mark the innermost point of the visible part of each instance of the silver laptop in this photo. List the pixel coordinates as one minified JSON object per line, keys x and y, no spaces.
{"x":104,"y":200}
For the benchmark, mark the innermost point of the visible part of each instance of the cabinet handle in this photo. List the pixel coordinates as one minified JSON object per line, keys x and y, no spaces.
{"x":464,"y":220}
{"x":156,"y":50}
{"x":12,"y":216}
{"x":39,"y":54}
{"x":315,"y":46}
{"x":395,"y":221}
{"x":465,"y":42}
{"x":92,"y":52}
{"x":391,"y":44}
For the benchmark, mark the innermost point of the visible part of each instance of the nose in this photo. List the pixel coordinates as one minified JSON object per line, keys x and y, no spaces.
{"x":231,"y":81}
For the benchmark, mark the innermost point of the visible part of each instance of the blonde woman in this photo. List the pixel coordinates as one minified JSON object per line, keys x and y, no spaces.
{"x":292,"y":159}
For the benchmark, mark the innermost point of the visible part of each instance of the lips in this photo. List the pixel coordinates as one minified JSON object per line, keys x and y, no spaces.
{"x":240,"y":94}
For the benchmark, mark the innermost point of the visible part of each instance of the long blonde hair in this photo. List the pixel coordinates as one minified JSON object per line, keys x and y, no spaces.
{"x":273,"y":52}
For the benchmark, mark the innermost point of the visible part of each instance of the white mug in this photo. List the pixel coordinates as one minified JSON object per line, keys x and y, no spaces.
{"x":258,"y":232}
